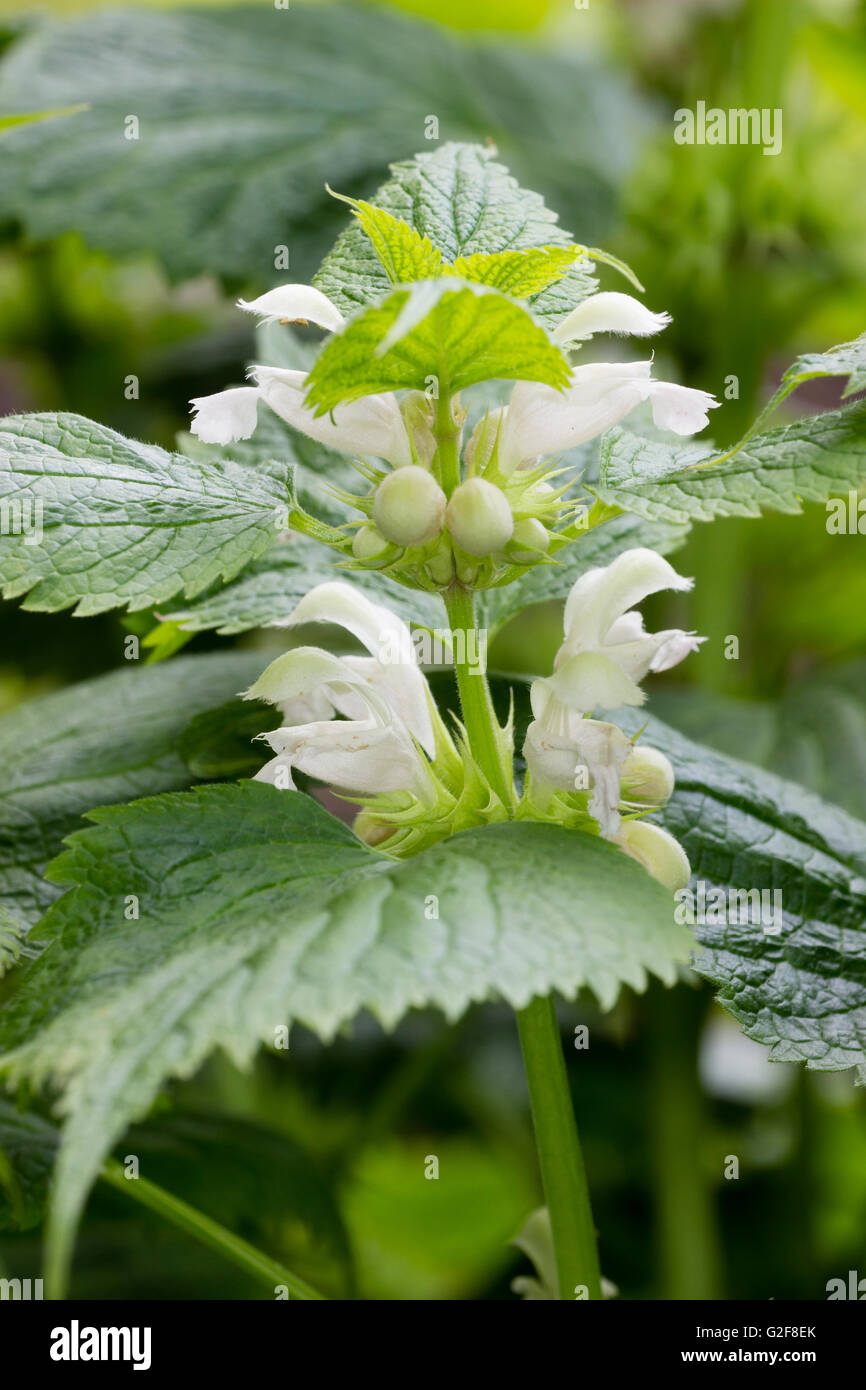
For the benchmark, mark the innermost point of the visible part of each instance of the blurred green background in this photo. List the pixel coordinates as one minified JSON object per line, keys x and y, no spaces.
{"x":320,"y":1156}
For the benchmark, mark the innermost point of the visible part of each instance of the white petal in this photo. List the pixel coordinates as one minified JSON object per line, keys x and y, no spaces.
{"x":295,"y":303}
{"x":354,"y":755}
{"x":589,"y":681}
{"x":393,"y":671}
{"x":371,"y":425}
{"x":610,"y":313}
{"x":594,"y":745}
{"x":225,"y":416}
{"x":601,"y":596}
{"x":300,"y":673}
{"x":541,"y":421}
{"x":681,"y":409}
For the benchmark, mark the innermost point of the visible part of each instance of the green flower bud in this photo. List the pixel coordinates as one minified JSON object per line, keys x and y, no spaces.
{"x":532,"y":539}
{"x":409,"y":506}
{"x":368,"y":543}
{"x":371,"y":829}
{"x":647,"y":777}
{"x":661,"y":855}
{"x":479,"y":517}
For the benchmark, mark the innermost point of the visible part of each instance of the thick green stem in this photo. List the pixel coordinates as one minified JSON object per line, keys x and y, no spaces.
{"x":559,"y":1154}
{"x":208,"y":1232}
{"x":560,"y":1159}
{"x":478,"y":714}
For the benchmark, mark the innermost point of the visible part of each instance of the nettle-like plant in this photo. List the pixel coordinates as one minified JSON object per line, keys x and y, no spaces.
{"x":391,"y":486}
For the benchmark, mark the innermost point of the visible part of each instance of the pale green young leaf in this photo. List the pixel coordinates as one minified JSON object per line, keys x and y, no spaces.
{"x":457,"y":336}
{"x":848,"y":360}
{"x":258,"y":909}
{"x":404,"y":254}
{"x":99,"y":521}
{"x":466,"y":204}
{"x":520,"y":274}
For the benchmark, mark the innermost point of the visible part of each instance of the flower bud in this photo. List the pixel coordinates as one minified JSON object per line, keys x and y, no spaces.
{"x":409,"y":506}
{"x":647,"y":777}
{"x":531,"y":538}
{"x":661,"y":855}
{"x":479,"y":517}
{"x":371,"y":829}
{"x":368,"y":543}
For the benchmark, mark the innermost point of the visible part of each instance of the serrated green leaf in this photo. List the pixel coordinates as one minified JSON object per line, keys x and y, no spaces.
{"x":848,"y":360}
{"x":801,"y":992}
{"x":807,"y":461}
{"x":466,"y":204}
{"x":235,"y":150}
{"x":270,"y":588}
{"x":405,"y":256}
{"x":258,"y":908}
{"x":99,"y":521}
{"x":520,"y":274}
{"x":815,"y":733}
{"x":458,"y":336}
{"x":108,"y":739}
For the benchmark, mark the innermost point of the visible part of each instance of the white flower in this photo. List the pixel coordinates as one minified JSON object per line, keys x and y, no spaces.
{"x":295,"y":304}
{"x":604,"y":654}
{"x":384,"y":700}
{"x":541,"y":421}
{"x":371,"y":425}
{"x":609,"y":313}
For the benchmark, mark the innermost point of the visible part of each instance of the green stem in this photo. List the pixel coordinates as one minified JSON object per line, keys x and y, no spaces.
{"x":560,"y":1159}
{"x":478,"y":714}
{"x":559,"y":1154}
{"x":207,"y":1232}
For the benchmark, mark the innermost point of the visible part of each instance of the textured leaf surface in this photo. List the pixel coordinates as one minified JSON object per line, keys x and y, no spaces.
{"x":268,"y":590}
{"x":803,"y":991}
{"x":809,"y":461}
{"x":108,"y":739}
{"x":232,"y":156}
{"x":257,"y":908}
{"x":97,"y":520}
{"x":848,"y":359}
{"x":466,"y":204}
{"x":467,"y":335}
{"x":815,"y":734}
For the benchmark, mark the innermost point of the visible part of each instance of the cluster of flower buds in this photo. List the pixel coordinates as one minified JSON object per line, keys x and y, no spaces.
{"x":498,"y":510}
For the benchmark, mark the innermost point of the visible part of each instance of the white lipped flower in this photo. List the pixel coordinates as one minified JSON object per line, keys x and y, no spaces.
{"x":540,"y":421}
{"x":373,"y":425}
{"x":379,"y":744}
{"x":604,"y":655}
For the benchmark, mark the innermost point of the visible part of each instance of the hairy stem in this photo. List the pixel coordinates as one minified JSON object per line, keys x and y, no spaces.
{"x":560,"y":1159}
{"x":207,"y":1232}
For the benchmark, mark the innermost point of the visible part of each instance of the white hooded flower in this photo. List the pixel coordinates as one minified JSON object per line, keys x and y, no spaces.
{"x":372,"y":425}
{"x":604,"y":654}
{"x":541,"y":421}
{"x":383,"y":698}
{"x":609,"y":313}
